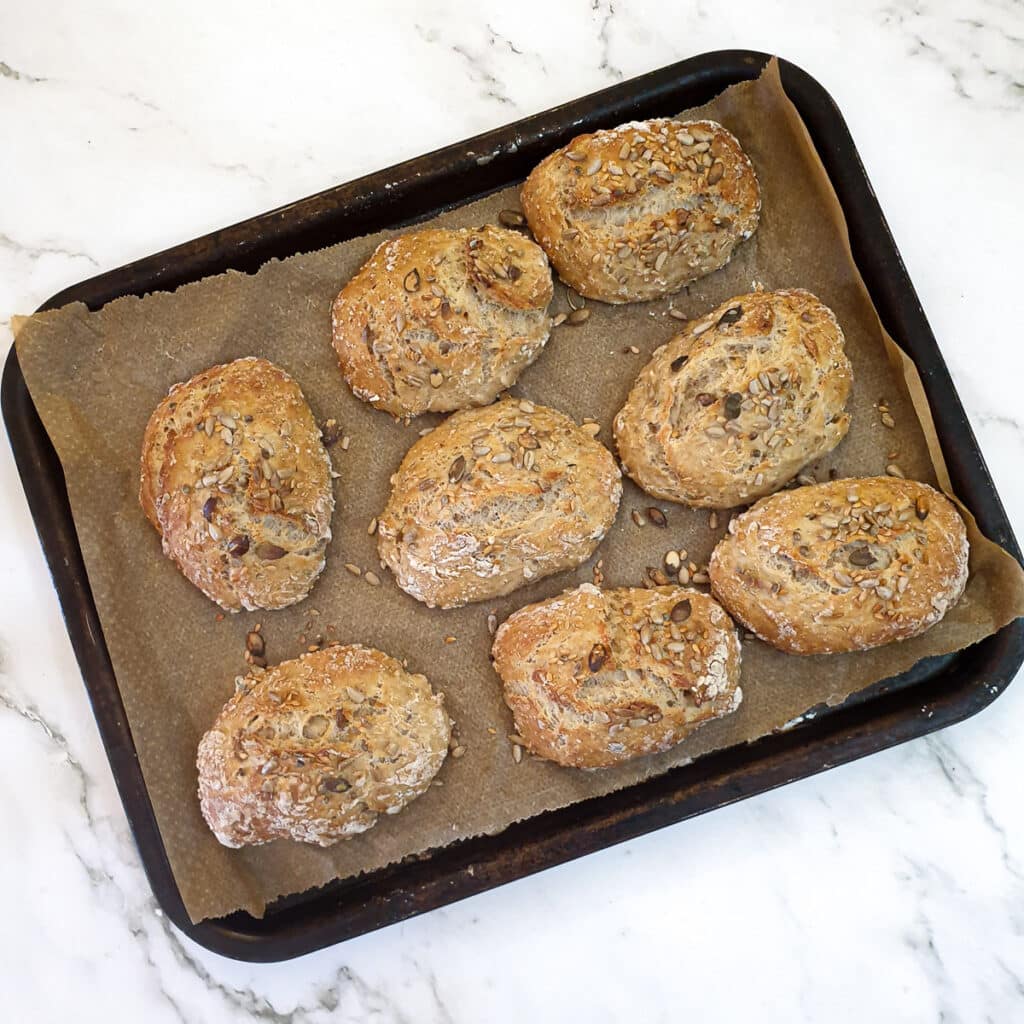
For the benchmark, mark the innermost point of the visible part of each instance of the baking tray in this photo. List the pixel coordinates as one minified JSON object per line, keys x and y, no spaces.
{"x":934,"y":694}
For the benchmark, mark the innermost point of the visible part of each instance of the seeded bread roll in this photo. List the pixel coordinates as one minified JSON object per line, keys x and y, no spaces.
{"x":236,"y":480}
{"x":596,"y":677}
{"x":495,"y":498}
{"x":734,"y":406}
{"x":842,"y":566}
{"x":639,"y":211}
{"x":443,"y":319}
{"x":316,"y":748}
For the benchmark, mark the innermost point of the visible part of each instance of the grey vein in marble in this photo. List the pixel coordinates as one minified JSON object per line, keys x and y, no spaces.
{"x":35,"y":251}
{"x":605,"y":10}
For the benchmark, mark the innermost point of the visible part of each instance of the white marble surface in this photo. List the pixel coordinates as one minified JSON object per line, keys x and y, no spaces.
{"x":892,"y":889}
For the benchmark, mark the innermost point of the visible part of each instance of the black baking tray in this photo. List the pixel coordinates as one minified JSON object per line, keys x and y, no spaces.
{"x":934,"y":694}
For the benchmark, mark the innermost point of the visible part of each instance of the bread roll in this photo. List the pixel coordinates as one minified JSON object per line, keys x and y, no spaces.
{"x":443,"y":319}
{"x":495,"y":498}
{"x":596,"y":677}
{"x":236,"y":479}
{"x":842,"y":566}
{"x":316,"y":748}
{"x":734,"y":406}
{"x":639,"y":211}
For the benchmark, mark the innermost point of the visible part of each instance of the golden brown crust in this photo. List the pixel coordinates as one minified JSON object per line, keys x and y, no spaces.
{"x":443,"y":319}
{"x":495,"y":498}
{"x":596,"y":677}
{"x":733,"y":407}
{"x":316,"y":748}
{"x":236,"y":479}
{"x":842,"y":566}
{"x":638,"y":211}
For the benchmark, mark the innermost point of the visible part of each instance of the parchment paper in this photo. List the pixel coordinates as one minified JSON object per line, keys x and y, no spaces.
{"x":96,"y":377}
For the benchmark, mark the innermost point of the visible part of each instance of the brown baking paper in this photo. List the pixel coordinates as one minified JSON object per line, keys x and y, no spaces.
{"x":96,"y":377}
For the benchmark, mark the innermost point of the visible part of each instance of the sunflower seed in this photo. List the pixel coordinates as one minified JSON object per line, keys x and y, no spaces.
{"x":578,"y":316}
{"x":681,"y":611}
{"x":893,"y":470}
{"x":511,"y":219}
{"x":597,"y":657}
{"x":269,"y":552}
{"x":888,"y":421}
{"x":372,"y":578}
{"x":716,"y":172}
{"x":492,"y":623}
{"x":354,"y":695}
{"x":238,"y":545}
{"x":501,"y":457}
{"x":371,"y":529}
{"x":593,"y":167}
{"x":656,"y":516}
{"x":732,"y":405}
{"x":593,"y":429}
{"x":354,"y":569}
{"x":921,"y":508}
{"x":573,"y":155}
{"x":457,"y":470}
{"x":862,"y":557}
{"x":715,"y":430}
{"x":701,"y":328}
{"x":637,"y":518}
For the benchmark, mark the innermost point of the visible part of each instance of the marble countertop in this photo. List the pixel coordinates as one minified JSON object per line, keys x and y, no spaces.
{"x":889,"y":889}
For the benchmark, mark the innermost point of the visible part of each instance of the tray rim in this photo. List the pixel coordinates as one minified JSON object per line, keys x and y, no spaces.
{"x":581,"y":828}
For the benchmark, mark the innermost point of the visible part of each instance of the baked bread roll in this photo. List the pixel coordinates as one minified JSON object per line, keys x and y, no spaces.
{"x":639,"y":211}
{"x":495,"y":498}
{"x":596,"y":677}
{"x":734,"y":406}
{"x":443,"y":319}
{"x":236,"y":479}
{"x":842,"y":566}
{"x":316,"y":748}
